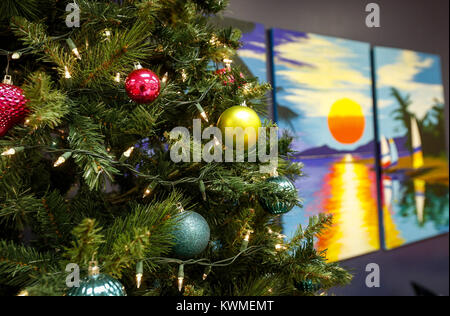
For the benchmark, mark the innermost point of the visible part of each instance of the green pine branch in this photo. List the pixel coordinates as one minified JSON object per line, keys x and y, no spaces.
{"x":19,"y":265}
{"x":144,"y":233}
{"x":85,"y":135}
{"x":87,"y":240}
{"x":48,"y":105}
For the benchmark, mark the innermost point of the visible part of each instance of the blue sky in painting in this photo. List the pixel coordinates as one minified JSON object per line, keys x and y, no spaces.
{"x":254,"y":50}
{"x":315,"y":71}
{"x":412,"y":73}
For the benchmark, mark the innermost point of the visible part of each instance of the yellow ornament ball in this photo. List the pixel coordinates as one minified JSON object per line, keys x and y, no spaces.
{"x":243,"y":117}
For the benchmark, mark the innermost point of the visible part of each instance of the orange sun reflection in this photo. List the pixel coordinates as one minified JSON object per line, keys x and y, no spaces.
{"x":353,"y":205}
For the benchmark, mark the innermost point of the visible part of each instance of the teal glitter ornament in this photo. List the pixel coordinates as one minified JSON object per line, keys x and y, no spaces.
{"x":191,"y":234}
{"x":307,"y":286}
{"x":97,"y":284}
{"x":278,"y":207}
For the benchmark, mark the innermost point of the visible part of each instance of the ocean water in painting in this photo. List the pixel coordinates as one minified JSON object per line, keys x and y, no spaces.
{"x":342,"y":186}
{"x":411,"y":122}
{"x":324,"y":99}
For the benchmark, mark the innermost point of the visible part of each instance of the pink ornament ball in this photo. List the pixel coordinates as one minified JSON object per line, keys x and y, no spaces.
{"x":13,"y":109}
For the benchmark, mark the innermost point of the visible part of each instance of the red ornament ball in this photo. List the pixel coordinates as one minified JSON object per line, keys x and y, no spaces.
{"x":142,"y":86}
{"x":13,"y":108}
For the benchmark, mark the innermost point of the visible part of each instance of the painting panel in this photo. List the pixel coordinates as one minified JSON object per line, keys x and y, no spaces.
{"x":413,"y":156}
{"x":324,"y":99}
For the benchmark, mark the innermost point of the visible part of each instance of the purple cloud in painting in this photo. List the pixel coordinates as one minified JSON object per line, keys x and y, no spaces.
{"x":285,"y":36}
{"x":291,"y":61}
{"x":251,"y":40}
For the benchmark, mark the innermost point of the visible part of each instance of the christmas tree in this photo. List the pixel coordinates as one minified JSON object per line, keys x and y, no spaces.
{"x":88,"y":181}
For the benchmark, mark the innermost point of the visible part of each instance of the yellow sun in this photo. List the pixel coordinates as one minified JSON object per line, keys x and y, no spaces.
{"x":346,"y":121}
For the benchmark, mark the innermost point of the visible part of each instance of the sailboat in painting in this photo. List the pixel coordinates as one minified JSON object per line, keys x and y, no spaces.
{"x":416,"y":145}
{"x":394,"y":161}
{"x":389,"y":153}
{"x":391,"y":184}
{"x":419,"y":184}
{"x":389,"y":158}
{"x":393,"y":152}
{"x":385,"y":153}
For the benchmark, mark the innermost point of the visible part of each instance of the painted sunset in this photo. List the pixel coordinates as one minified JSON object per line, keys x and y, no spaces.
{"x":324,"y":100}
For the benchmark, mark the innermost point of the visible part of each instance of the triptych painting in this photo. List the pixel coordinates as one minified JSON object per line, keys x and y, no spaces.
{"x":364,"y":160}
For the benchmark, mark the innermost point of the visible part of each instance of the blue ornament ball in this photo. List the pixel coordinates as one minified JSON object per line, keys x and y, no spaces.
{"x":278,"y":207}
{"x":98,"y":285}
{"x":191,"y":234}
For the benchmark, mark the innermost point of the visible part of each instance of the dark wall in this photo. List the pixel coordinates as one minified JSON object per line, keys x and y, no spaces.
{"x":420,"y":25}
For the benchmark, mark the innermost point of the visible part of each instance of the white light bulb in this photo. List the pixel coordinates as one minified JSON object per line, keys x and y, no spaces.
{"x":59,"y":162}
{"x":138,"y":280}
{"x":204,"y":116}
{"x":165,"y":78}
{"x":180,"y":284}
{"x":76,"y":53}
{"x":146,"y":193}
{"x":67,"y":74}
{"x":128,"y":152}
{"x":9,"y":152}
{"x":228,"y":62}
{"x":213,"y":40}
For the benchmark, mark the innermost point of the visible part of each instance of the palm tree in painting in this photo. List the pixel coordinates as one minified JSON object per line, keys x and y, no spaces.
{"x":433,"y":130}
{"x":402,"y":113}
{"x":285,"y":113}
